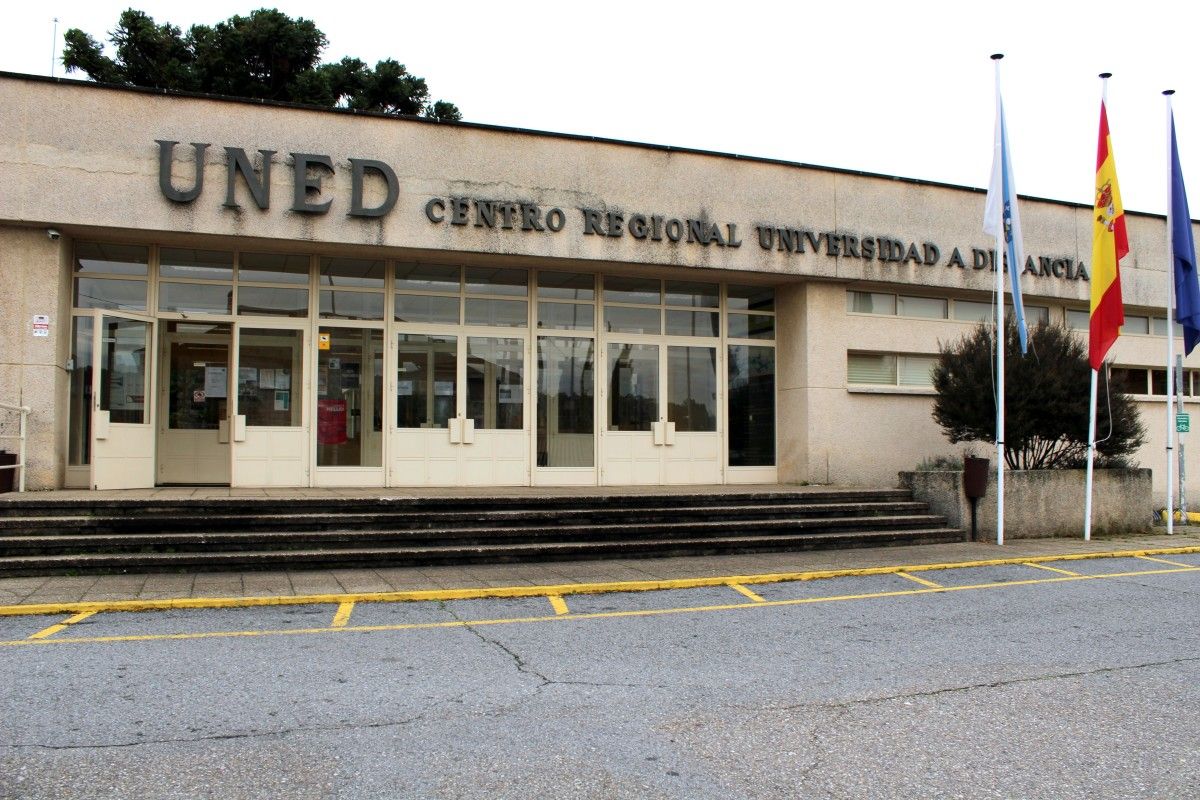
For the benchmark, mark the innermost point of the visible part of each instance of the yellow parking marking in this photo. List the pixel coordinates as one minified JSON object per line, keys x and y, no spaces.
{"x":597,"y":615}
{"x":1165,"y":561}
{"x":66,"y":623}
{"x":1054,"y":569}
{"x":737,"y":587}
{"x":558,"y":604}
{"x":922,"y":581}
{"x":343,"y":614}
{"x":482,"y":593}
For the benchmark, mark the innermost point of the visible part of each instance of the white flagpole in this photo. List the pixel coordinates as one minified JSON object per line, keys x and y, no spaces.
{"x":1001,"y":338}
{"x":1091,"y":451}
{"x":1170,"y":329}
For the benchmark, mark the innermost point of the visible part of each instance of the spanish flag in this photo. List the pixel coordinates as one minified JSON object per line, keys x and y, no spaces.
{"x":1109,"y":245}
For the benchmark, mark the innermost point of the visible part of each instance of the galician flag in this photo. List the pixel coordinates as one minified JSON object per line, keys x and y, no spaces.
{"x":1183,"y":252}
{"x":1109,"y":245}
{"x":1000,"y":216}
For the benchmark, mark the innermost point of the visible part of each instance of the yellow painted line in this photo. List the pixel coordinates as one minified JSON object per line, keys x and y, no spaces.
{"x":1053,"y":569}
{"x":1165,"y":561}
{"x":342,"y":616}
{"x":917,"y":579}
{"x":737,"y":587}
{"x":596,"y":615}
{"x":66,"y":623}
{"x":482,"y":593}
{"x":558,"y":604}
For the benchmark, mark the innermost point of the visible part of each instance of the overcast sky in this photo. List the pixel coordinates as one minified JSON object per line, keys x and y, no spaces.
{"x":900,"y":88}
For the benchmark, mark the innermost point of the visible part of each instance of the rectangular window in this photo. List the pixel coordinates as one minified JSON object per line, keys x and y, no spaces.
{"x":642,"y":291}
{"x":427,"y":308}
{"x":1037,"y":315}
{"x":426,"y":380}
{"x":111,"y":259}
{"x":632,"y":320}
{"x":751,"y":326}
{"x":1136,"y":324}
{"x":1132,"y":379}
{"x":692,"y":388}
{"x":633,"y":386}
{"x":496,"y":383}
{"x":566,"y":286}
{"x":208,"y":265}
{"x":497,"y":313}
{"x":693,"y":294}
{"x":124,"y":345}
{"x":871,"y":303}
{"x":488,"y":280}
{"x":270,"y":377}
{"x":567,"y":316}
{"x":195,"y":298}
{"x":272,"y":302}
{"x":273,"y":268}
{"x":692,"y":323}
{"x":110,"y":294}
{"x":926,"y":307}
{"x":351,"y":305}
{"x":751,"y":406}
{"x":916,"y":370}
{"x":1158,"y":382}
{"x":971,"y":311}
{"x":1077,"y":319}
{"x":428,"y":278}
{"x":1160,"y":327}
{"x":750,"y":298}
{"x":871,"y":368}
{"x":354,"y":272}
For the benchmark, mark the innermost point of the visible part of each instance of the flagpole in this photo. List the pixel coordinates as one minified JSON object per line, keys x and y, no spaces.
{"x":1091,"y":451}
{"x":1170,"y":325}
{"x":1001,"y":340}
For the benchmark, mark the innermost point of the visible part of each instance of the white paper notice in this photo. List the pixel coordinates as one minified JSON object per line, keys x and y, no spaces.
{"x":216,"y":381}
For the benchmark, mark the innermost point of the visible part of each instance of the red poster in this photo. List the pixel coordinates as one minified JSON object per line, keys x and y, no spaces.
{"x":331,"y":421}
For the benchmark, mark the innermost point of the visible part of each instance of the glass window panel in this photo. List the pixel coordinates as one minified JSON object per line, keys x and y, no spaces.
{"x":500,"y":313}
{"x":487,"y":280}
{"x":195,"y":298}
{"x":426,"y":380}
{"x":270,"y":377}
{"x":351,"y":272}
{"x":566,"y":286}
{"x":79,"y":447}
{"x":751,"y":326}
{"x":119,"y":259}
{"x":566,"y":402}
{"x":198,"y":369}
{"x":124,"y":345}
{"x":871,"y":303}
{"x":693,"y":293}
{"x":273,"y":268}
{"x":426,"y":308}
{"x":1135,"y":324}
{"x":350,"y":398}
{"x":567,"y":316}
{"x":114,"y":295}
{"x":632,"y":320}
{"x":495,"y":383}
{"x":209,"y":265}
{"x":1158,"y":381}
{"x":1077,"y":320}
{"x":428,"y":278}
{"x":972,"y":311}
{"x":916,"y":370}
{"x":1160,"y":327}
{"x":267,"y":301}
{"x":351,"y":305}
{"x":692,"y":388}
{"x":692,"y":323}
{"x":646,"y":291}
{"x":1133,"y":380}
{"x":1037,"y":315}
{"x":633,"y":386}
{"x":751,"y":298}
{"x":927,"y":307}
{"x":751,"y":406}
{"x":877,"y":368}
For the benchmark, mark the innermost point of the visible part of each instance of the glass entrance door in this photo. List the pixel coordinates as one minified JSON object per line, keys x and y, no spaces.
{"x":349,"y":406}
{"x":122,"y":430}
{"x":193,"y":428}
{"x":565,"y":446}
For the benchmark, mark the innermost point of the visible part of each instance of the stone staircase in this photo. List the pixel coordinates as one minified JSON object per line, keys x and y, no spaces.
{"x":108,"y":535}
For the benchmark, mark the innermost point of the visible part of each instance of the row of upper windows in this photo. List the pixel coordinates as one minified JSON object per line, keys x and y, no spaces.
{"x":974,"y":311}
{"x":192,"y":281}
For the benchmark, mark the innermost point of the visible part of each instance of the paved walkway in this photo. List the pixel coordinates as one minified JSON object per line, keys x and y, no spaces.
{"x":72,"y":589}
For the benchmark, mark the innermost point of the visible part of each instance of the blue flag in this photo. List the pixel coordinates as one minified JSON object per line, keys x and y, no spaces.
{"x":1183,"y":249}
{"x":1000,"y":217}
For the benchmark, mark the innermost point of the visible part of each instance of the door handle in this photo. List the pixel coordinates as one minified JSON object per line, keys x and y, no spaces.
{"x":455,"y":426}
{"x":468,"y":430}
{"x":239,"y":428}
{"x":669,"y":438}
{"x":658,"y":432}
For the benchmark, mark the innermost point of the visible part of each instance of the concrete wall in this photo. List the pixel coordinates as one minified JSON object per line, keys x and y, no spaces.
{"x":32,"y":369}
{"x":1041,"y":503}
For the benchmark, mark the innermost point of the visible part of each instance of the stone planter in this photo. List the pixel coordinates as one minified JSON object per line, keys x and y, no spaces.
{"x":1040,"y":503}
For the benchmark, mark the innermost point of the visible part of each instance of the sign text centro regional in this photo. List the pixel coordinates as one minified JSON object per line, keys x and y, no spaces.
{"x":308,"y":197}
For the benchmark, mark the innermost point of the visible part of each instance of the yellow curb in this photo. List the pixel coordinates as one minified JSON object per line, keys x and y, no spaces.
{"x":483,"y":593}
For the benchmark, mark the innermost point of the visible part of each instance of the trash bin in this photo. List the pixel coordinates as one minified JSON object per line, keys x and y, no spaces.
{"x":8,"y":477}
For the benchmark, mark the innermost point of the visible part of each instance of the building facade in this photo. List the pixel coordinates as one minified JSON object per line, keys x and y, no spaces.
{"x":213,"y":291}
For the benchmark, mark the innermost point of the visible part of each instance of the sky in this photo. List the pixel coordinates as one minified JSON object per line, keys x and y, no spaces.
{"x":898,"y":88}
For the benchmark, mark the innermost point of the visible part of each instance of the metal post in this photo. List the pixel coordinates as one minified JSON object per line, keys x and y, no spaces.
{"x":1183,"y":517}
{"x":21,"y":453}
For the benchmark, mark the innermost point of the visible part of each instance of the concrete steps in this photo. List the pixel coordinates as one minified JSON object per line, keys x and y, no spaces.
{"x":104,"y":535}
